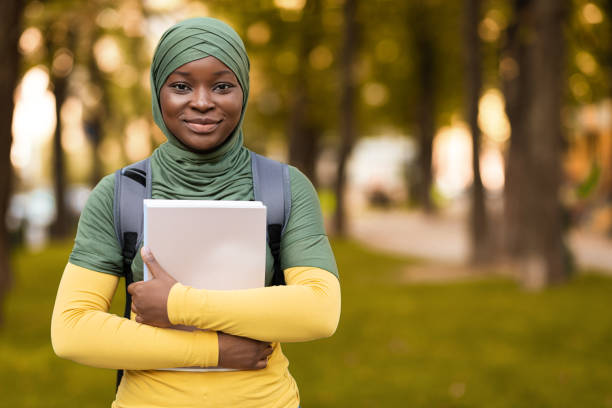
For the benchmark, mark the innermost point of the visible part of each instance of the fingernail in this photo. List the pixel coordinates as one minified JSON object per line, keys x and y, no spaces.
{"x":146,"y":253}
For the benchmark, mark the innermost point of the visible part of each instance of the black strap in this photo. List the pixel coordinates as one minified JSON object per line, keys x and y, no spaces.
{"x":274,"y":239}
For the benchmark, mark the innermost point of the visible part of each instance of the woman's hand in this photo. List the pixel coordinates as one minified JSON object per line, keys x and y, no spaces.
{"x":150,"y":298}
{"x":242,"y":353}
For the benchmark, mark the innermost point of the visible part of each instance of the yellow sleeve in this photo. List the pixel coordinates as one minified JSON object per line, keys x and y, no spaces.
{"x":82,"y":330}
{"x":307,"y":308}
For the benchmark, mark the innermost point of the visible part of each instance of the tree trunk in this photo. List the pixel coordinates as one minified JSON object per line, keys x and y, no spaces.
{"x":95,"y":120}
{"x":61,"y":225}
{"x":347,"y":112}
{"x":517,"y":93}
{"x":546,"y":142}
{"x":304,"y":132}
{"x":534,"y":216}
{"x":10,"y":29}
{"x":608,"y":10}
{"x":425,"y":112}
{"x":480,"y":240}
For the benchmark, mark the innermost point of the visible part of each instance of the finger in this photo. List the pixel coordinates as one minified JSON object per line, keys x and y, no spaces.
{"x":139,"y":319}
{"x":132,"y":288}
{"x":267,"y":351}
{"x":154,"y":268}
{"x":134,"y":308}
{"x":261,"y":364}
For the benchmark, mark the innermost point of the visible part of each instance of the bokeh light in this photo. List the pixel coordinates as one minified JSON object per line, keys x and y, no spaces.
{"x":375,"y":94}
{"x":586,"y":63}
{"x":108,"y":54}
{"x":592,"y":14}
{"x":321,"y":57}
{"x":290,"y":4}
{"x":33,"y":122}
{"x":259,"y":33}
{"x":137,"y":139}
{"x":492,"y":118}
{"x":30,"y":41}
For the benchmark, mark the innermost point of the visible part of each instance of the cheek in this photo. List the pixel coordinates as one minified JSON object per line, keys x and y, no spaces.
{"x":236,"y":107}
{"x":166,"y":103}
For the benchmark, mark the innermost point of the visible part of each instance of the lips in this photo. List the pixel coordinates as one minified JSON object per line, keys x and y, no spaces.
{"x":202,"y":125}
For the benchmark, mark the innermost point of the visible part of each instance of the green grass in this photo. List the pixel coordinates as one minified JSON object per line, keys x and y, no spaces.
{"x":482,"y":343}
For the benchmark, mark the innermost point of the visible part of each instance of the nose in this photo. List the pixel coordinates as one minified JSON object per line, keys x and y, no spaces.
{"x":201,"y":99}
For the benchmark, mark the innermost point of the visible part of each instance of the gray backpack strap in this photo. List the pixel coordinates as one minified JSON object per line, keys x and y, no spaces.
{"x":132,"y":185}
{"x":271,"y":186}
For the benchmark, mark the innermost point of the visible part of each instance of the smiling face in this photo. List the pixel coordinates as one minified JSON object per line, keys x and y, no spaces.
{"x":201,"y":103}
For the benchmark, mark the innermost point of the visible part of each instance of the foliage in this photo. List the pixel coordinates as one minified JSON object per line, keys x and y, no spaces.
{"x":472,"y":344}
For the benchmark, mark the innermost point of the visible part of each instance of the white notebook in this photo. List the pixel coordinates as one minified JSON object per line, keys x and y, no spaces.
{"x":218,"y":245}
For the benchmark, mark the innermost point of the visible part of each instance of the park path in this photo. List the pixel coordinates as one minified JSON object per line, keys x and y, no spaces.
{"x":444,"y":238}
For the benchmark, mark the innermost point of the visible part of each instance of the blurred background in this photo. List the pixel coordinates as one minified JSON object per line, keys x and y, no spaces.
{"x":462,"y":151}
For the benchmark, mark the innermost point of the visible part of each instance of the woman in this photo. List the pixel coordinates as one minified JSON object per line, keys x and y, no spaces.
{"x":200,"y":87}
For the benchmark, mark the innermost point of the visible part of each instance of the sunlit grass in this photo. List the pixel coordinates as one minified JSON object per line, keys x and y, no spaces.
{"x":482,"y":343}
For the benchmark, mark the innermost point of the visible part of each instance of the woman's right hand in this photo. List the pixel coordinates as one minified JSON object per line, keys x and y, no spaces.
{"x":242,"y":353}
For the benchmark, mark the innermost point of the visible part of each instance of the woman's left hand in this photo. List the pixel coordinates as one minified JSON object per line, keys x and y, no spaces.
{"x":150,"y":298}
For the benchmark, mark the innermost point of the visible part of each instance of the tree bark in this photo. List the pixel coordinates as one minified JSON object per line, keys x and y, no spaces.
{"x":608,"y":10}
{"x":534,"y":215}
{"x":10,"y":29}
{"x":425,"y":110}
{"x":304,"y":132}
{"x":95,"y":120}
{"x":347,"y":112}
{"x":479,"y":234}
{"x":546,"y":141}
{"x":61,"y":225}
{"x":517,"y":93}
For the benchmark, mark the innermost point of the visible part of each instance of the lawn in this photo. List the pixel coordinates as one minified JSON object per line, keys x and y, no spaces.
{"x":482,"y":343}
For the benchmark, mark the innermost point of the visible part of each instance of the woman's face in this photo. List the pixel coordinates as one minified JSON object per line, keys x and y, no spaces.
{"x":201,"y":103}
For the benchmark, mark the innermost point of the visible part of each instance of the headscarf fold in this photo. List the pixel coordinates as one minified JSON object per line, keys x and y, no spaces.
{"x":179,"y":173}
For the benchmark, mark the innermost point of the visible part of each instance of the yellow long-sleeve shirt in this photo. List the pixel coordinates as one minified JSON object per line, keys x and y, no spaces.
{"x":82,"y":330}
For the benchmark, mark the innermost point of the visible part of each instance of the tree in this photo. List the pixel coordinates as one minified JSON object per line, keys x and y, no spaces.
{"x":546,"y":229}
{"x":480,"y":240}
{"x":534,"y":98}
{"x":347,"y":111}
{"x":426,"y":102}
{"x":60,"y":46}
{"x":513,"y":67}
{"x":10,"y":29}
{"x":304,"y":131}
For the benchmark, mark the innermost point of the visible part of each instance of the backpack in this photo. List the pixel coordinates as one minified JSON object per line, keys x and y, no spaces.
{"x":271,"y":186}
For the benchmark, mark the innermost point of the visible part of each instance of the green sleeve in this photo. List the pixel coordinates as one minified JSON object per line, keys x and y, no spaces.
{"x":304,"y":242}
{"x":95,"y":246}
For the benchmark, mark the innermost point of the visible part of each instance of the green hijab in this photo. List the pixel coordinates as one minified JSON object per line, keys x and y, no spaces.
{"x":179,"y":173}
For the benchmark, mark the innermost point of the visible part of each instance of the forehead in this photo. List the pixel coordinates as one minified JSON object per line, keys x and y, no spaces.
{"x":204,"y":67}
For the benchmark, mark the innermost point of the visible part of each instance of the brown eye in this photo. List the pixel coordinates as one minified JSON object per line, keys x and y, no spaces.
{"x":223,"y":87}
{"x":179,"y":86}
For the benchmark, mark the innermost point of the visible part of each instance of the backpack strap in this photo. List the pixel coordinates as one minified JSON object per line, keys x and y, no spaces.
{"x":132,"y":185}
{"x":271,"y":186}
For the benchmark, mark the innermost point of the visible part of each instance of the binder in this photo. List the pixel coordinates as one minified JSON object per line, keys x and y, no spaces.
{"x":205,"y":244}
{"x":218,"y":245}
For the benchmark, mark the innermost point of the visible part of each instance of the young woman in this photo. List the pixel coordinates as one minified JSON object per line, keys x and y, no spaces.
{"x":200,"y":87}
